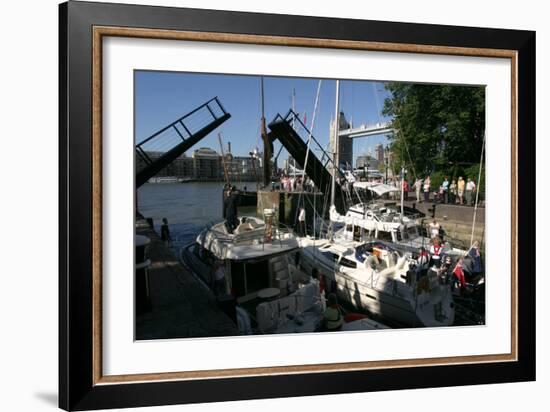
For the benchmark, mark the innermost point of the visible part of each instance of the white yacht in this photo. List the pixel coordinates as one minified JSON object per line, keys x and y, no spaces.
{"x":253,"y":256}
{"x":382,"y":221}
{"x":380,"y":278}
{"x":271,"y":293}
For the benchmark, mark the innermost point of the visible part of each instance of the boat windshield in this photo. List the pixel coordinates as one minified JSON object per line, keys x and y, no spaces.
{"x":407,"y":233}
{"x":348,"y":263}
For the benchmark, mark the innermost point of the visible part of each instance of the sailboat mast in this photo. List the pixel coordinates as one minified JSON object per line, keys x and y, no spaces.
{"x":293,"y":120}
{"x":267,"y":146}
{"x":336,"y":143}
{"x":402,"y":189}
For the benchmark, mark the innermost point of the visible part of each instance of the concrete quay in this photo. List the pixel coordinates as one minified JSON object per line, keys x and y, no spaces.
{"x":181,"y":306}
{"x":456,"y":220}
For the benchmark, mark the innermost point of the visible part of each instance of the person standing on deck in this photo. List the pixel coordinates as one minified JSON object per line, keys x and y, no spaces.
{"x":333,"y":319}
{"x":458,"y":272}
{"x":476,"y":259}
{"x":218,"y":285}
{"x":461,"y":186}
{"x":319,"y":280}
{"x":434,"y":228}
{"x":165,"y":232}
{"x":435,"y":251}
{"x":423,"y":259}
{"x":231,"y":210}
{"x":427,"y":189}
{"x":302,"y":222}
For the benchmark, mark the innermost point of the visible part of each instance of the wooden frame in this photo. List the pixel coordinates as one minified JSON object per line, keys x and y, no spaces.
{"x":82,"y":27}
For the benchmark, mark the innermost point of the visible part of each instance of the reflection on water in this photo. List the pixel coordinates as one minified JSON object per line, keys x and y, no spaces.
{"x":189,"y":207}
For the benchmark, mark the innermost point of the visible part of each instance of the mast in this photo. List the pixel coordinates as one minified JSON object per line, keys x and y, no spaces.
{"x":477,"y":191}
{"x":293,"y":120}
{"x":402,"y":189}
{"x":225,"y":172}
{"x":336,"y":143}
{"x":267,"y":146}
{"x":335,"y":153}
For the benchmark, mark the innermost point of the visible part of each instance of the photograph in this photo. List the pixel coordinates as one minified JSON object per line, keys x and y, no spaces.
{"x":280,"y":205}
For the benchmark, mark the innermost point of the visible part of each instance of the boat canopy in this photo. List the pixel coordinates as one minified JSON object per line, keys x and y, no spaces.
{"x":378,"y":188}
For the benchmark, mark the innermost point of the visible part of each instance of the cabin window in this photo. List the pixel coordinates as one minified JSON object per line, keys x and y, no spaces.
{"x":385,"y":236}
{"x":257,"y":276}
{"x":402,"y":235}
{"x":249,"y":277}
{"x":412,"y":232}
{"x":238,"y":282}
{"x":329,"y":255}
{"x":348,"y":263}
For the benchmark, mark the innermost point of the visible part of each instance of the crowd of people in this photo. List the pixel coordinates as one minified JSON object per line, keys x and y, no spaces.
{"x":435,"y":257}
{"x":296,"y":184}
{"x":461,"y":191}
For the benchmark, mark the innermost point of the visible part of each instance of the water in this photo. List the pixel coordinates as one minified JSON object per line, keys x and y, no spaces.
{"x":189,"y":207}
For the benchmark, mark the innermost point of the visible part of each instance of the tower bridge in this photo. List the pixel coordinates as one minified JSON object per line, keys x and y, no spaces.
{"x":367,"y":130}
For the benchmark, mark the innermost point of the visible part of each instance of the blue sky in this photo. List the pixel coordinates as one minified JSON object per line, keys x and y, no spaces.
{"x":162,"y":97}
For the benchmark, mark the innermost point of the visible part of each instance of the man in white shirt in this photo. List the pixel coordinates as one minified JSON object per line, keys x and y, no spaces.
{"x":445,"y":186}
{"x":418,"y":187}
{"x":470,"y":187}
{"x":302,"y":222}
{"x":434,"y":229}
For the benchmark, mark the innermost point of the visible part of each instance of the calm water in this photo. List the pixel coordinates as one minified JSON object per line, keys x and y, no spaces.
{"x":189,"y":207}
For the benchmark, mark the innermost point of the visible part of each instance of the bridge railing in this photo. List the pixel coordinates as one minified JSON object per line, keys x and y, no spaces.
{"x":293,"y":119}
{"x":365,"y":128}
{"x":179,"y":131}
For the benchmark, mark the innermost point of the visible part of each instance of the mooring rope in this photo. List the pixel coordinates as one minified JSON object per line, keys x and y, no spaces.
{"x":308,"y":148}
{"x":477,"y":191}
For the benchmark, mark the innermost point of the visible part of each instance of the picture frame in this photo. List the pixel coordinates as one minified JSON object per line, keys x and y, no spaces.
{"x":82,"y":28}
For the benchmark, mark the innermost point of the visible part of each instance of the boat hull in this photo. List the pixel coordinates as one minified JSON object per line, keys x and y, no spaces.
{"x":389,"y":303}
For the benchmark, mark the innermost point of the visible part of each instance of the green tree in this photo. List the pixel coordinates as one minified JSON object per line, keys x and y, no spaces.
{"x":439,"y":128}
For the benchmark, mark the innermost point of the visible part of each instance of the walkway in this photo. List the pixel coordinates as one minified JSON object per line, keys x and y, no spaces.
{"x":181,"y":306}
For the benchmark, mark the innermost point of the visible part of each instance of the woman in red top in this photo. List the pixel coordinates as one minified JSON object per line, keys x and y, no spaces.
{"x":435,"y":251}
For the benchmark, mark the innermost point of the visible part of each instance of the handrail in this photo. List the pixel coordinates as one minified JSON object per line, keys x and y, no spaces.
{"x":282,"y":232}
{"x":294,"y":116}
{"x":173,"y":124}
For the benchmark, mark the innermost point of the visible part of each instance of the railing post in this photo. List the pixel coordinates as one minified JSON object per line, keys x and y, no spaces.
{"x":185,"y":127}
{"x":219,"y":104}
{"x":179,"y":133}
{"x":210,"y":110}
{"x":143,"y":155}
